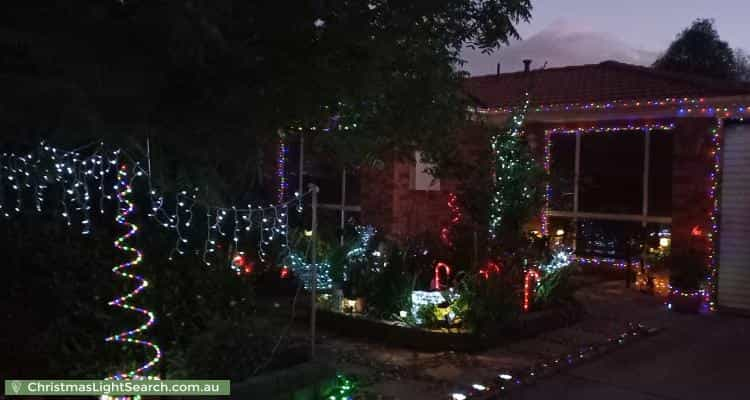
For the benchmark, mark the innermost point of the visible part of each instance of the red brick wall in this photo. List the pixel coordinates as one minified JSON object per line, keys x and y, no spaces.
{"x":376,"y":198}
{"x":390,"y":204}
{"x":691,"y":168}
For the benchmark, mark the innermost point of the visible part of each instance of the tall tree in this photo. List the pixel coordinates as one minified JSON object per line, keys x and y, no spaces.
{"x":742,"y":60}
{"x":699,"y":50}
{"x":212,"y":80}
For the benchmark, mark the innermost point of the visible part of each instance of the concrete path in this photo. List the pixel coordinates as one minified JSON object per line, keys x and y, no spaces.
{"x":695,"y":357}
{"x":703,"y":357}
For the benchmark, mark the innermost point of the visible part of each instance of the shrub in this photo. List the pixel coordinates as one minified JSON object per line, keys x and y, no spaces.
{"x":687,"y":271}
{"x":486,"y":303}
{"x":554,"y":288}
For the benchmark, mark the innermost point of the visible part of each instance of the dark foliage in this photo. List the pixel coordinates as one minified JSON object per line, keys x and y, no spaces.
{"x":699,"y":50}
{"x":207,"y":78}
{"x":688,"y":271}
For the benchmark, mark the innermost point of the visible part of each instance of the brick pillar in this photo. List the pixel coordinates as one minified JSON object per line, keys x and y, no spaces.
{"x":691,"y":168}
{"x":376,"y":197}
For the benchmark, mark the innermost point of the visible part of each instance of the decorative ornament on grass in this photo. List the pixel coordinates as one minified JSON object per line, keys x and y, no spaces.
{"x":303,"y":270}
{"x":436,"y":284}
{"x":560,"y":259}
{"x":528,"y":288}
{"x":132,"y":336}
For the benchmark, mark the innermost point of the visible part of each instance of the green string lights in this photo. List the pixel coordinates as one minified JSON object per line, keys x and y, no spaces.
{"x":344,"y":388}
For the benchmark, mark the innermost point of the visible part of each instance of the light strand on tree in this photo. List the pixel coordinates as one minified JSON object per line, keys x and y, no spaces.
{"x":446,"y":233}
{"x":490,"y":267}
{"x":131,"y":336}
{"x":506,"y":149}
{"x":303,"y":270}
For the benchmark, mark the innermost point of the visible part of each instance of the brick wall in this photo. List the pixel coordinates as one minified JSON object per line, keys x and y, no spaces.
{"x":691,"y":167}
{"x":390,"y":204}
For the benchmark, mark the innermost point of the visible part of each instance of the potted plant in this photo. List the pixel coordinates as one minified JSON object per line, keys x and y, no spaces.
{"x":687,"y":274}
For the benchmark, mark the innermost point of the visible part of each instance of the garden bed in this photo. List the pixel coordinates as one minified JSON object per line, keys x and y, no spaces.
{"x":388,"y":333}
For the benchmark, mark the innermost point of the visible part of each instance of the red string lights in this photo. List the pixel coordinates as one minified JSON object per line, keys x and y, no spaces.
{"x":527,"y":288}
{"x":456,"y":216}
{"x":491,"y":266}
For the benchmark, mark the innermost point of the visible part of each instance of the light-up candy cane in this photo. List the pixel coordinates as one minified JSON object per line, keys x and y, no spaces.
{"x":435,"y":284}
{"x":530,"y":274}
{"x":126,"y":208}
{"x":490,"y":267}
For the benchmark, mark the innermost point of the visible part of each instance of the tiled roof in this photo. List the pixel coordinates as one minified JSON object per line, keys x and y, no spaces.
{"x":609,"y":80}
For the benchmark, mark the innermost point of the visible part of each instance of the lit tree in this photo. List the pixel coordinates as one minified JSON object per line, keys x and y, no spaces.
{"x":517,"y":180}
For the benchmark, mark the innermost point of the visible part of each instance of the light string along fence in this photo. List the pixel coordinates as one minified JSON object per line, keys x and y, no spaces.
{"x":77,"y":183}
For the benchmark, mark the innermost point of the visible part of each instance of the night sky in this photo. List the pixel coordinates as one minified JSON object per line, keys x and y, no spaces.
{"x":574,"y":32}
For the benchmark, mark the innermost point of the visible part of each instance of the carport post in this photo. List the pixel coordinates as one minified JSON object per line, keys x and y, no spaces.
{"x":313,"y":257}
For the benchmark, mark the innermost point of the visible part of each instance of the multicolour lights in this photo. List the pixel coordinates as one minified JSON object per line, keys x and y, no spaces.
{"x":598,"y":129}
{"x":684,"y":106}
{"x":131,"y":336}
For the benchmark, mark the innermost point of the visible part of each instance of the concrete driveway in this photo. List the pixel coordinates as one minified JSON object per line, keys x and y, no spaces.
{"x":695,"y":357}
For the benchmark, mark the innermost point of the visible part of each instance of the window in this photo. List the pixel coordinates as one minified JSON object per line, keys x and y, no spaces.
{"x":562,"y":172}
{"x":611,"y":178}
{"x":421,"y":179}
{"x":623,"y":190}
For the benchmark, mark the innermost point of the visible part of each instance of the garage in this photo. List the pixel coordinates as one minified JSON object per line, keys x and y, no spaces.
{"x":734,"y":246}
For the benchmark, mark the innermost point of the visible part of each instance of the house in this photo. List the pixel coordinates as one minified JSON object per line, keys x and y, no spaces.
{"x":633,"y":154}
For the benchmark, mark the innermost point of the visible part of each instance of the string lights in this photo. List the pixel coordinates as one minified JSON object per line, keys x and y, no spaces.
{"x":446,"y":233}
{"x":281,"y":171}
{"x":684,"y":105}
{"x":713,"y":194}
{"x":709,"y":294}
{"x":560,"y":259}
{"x":506,"y":381}
{"x":82,"y":176}
{"x":508,"y":167}
{"x":131,"y":336}
{"x":528,"y":287}
{"x":304,"y":271}
{"x":490,"y":267}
